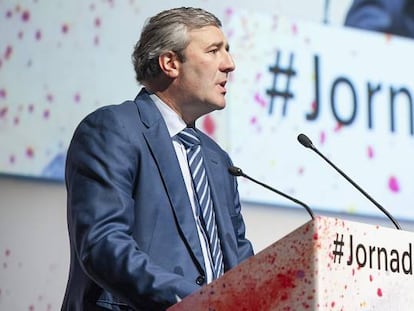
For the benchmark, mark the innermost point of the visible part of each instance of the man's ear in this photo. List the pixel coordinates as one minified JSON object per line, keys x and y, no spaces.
{"x":169,"y":64}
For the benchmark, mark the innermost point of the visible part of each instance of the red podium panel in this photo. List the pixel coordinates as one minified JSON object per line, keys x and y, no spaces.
{"x":326,"y":264}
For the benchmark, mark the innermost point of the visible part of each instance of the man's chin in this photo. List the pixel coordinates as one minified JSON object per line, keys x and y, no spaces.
{"x":219,"y":105}
{"x":216,"y":105}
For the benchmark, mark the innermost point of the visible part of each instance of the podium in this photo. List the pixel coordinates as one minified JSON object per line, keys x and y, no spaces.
{"x":326,"y":264}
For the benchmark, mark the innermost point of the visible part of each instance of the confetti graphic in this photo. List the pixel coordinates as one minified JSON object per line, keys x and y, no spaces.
{"x":57,"y":61}
{"x":60,"y":61}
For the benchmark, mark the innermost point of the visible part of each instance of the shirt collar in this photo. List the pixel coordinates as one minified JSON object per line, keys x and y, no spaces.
{"x":174,"y":122}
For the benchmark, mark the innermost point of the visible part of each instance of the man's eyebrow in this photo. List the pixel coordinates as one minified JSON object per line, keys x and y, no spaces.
{"x":219,"y":45}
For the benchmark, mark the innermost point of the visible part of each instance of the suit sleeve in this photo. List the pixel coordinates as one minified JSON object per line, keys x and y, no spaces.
{"x":100,"y":175}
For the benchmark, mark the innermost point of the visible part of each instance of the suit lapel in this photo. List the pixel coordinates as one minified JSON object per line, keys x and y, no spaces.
{"x":161,"y":147}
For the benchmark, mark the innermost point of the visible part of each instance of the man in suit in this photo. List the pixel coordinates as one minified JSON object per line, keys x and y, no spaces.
{"x":136,"y":239}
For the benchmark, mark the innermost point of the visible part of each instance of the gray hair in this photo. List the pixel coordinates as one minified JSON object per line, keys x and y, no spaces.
{"x":167,"y":31}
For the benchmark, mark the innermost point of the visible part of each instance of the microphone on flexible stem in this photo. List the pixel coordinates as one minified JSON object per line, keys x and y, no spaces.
{"x":236,"y":171}
{"x":305,"y":141}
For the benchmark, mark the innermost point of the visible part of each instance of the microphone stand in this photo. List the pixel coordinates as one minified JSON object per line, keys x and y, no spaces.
{"x":305,"y":141}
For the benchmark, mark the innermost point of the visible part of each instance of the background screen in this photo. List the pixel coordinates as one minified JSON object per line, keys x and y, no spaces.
{"x":328,"y":71}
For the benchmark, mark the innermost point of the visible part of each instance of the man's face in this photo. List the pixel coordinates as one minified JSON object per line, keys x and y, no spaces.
{"x":204,"y":73}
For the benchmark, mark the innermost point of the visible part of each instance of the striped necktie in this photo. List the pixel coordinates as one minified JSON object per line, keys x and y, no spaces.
{"x":191,"y":142}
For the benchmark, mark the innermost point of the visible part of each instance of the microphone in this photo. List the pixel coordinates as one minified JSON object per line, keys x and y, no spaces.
{"x":236,"y":171}
{"x":305,"y":141}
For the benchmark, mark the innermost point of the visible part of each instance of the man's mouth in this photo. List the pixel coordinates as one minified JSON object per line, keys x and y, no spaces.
{"x":223,"y":85}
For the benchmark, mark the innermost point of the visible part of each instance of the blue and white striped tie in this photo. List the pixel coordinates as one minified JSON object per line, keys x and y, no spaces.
{"x":190,"y":140}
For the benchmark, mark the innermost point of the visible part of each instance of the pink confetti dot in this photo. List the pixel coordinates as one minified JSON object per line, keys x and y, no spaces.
{"x":9,"y":14}
{"x":3,"y":112}
{"x":38,"y":35}
{"x":229,"y":11}
{"x":25,"y":16}
{"x":8,"y":52}
{"x":322,"y":138}
{"x":294,"y":29}
{"x":46,"y":114}
{"x":77,"y":98}
{"x":7,"y":253}
{"x":31,"y":308}
{"x":379,"y":292}
{"x":12,"y":159}
{"x":30,"y":152}
{"x":65,"y":28}
{"x":338,"y":127}
{"x":313,"y":105}
{"x":97,"y":22}
{"x":209,"y":125}
{"x":393,"y":184}
{"x":258,"y":99}
{"x":49,"y":98}
{"x":370,"y":152}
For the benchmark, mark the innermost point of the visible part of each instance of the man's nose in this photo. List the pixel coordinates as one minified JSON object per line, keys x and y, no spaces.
{"x":228,"y":63}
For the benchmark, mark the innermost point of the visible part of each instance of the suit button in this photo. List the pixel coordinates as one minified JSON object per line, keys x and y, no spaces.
{"x":200,"y":280}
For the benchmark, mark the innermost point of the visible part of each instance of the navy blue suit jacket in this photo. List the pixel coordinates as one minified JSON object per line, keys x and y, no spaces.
{"x":134,"y":244}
